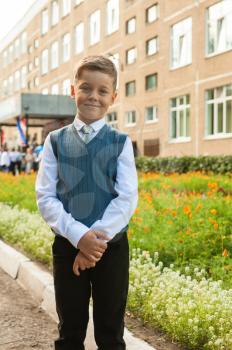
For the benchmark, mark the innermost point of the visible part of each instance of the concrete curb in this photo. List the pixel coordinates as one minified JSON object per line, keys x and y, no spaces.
{"x":39,"y":284}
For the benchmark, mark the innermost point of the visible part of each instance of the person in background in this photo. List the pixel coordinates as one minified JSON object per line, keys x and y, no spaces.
{"x":29,"y":161}
{"x":5,"y":160}
{"x":13,"y":154}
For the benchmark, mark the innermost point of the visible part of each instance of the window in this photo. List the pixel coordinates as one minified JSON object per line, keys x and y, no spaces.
{"x":219,"y":111}
{"x":94,"y":27}
{"x":54,"y":12}
{"x":151,"y":46}
{"x":152,"y":13}
{"x":10,"y":84}
{"x":17,"y":48}
{"x":130,"y":25}
{"x":151,"y":81}
{"x":66,"y":7}
{"x":36,"y":61}
{"x":219,"y":20}
{"x":130,"y":88}
{"x":55,"y":89}
{"x":11,"y":53}
{"x":17,"y":80}
{"x":36,"y":43}
{"x":24,"y":42}
{"x":36,"y":81}
{"x":44,"y":91}
{"x":130,"y":118}
{"x":24,"y":77}
{"x":44,"y":22}
{"x":112,"y":16}
{"x":44,"y":62}
{"x":151,"y":114}
{"x":181,"y":43}
{"x":79,"y":38}
{"x":66,"y":87}
{"x":54,"y":55}
{"x":131,"y":55}
{"x":112,"y":120}
{"x":78,"y":2}
{"x":66,"y":47}
{"x":5,"y":58}
{"x":4,"y":87}
{"x":180,"y":117}
{"x":30,"y":66}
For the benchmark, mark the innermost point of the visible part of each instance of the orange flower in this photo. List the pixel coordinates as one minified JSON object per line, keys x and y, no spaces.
{"x":136,"y":210}
{"x":187,"y":232}
{"x":187,"y":209}
{"x":213,"y":211}
{"x":212,"y":185}
{"x":215,"y":226}
{"x":225,"y":253}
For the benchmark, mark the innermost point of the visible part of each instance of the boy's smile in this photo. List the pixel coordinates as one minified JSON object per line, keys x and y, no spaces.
{"x":93,"y":94}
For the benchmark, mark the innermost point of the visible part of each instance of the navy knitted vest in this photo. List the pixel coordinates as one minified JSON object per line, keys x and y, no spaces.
{"x":87,"y":172}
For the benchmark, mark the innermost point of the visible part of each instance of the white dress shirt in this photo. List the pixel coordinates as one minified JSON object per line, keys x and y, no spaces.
{"x":117,"y":213}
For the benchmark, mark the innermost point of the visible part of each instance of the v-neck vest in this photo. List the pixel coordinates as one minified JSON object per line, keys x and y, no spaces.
{"x":86,"y":172}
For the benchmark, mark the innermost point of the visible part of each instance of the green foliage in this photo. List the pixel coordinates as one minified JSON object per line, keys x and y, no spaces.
{"x":168,"y":165}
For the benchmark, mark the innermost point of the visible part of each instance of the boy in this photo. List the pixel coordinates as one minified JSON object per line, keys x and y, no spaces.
{"x":86,"y":192}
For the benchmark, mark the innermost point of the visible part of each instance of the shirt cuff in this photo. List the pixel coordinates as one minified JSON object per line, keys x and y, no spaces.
{"x":75,"y":232}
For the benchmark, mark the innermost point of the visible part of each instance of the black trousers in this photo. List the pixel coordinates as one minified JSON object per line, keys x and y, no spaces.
{"x":107,"y":282}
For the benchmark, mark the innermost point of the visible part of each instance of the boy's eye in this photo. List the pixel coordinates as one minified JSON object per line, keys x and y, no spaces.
{"x":103,"y":92}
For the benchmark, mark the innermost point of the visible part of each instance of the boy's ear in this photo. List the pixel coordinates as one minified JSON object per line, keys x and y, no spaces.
{"x":72,"y":91}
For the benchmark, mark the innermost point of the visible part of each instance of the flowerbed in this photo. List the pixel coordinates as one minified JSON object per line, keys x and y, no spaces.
{"x":192,"y":310}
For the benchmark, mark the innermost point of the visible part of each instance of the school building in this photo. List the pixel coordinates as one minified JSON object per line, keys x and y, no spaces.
{"x":174,"y":59}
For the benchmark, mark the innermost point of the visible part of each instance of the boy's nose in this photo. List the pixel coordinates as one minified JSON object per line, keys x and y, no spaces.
{"x":93,"y":95}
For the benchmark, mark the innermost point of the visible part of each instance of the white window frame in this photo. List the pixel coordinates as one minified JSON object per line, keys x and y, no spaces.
{"x":66,"y":7}
{"x":131,"y":25}
{"x":55,"y":55}
{"x":44,"y":62}
{"x":17,"y":48}
{"x":11,"y":53}
{"x":133,"y":83}
{"x":54,"y":12}
{"x":129,"y":116}
{"x":181,"y":43}
{"x":94,"y":27}
{"x":131,"y":55}
{"x":112,"y":16}
{"x":24,"y":42}
{"x":66,"y":47}
{"x":115,"y":59}
{"x":152,"y":46}
{"x":17,"y":80}
{"x":5,"y":88}
{"x":66,"y":87}
{"x":44,"y":22}
{"x":79,"y":38}
{"x":154,"y":114}
{"x":77,"y":2}
{"x":24,"y":77}
{"x":55,"y":89}
{"x":215,"y":102}
{"x":44,"y":91}
{"x":112,"y":119}
{"x":178,"y":109}
{"x":220,"y":28}
{"x":152,"y":13}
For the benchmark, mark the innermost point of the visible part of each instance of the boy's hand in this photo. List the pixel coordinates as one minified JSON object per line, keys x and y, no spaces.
{"x":92,"y":245}
{"x":82,"y":263}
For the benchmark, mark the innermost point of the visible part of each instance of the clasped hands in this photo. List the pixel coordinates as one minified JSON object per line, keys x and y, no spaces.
{"x":91,"y":248}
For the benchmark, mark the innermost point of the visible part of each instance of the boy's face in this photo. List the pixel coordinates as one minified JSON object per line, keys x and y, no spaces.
{"x":93,"y":94}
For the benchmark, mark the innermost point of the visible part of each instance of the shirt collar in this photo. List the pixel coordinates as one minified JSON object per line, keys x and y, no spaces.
{"x":95,"y":125}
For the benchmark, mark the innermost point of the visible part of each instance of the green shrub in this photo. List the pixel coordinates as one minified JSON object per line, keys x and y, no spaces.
{"x":167,"y":165}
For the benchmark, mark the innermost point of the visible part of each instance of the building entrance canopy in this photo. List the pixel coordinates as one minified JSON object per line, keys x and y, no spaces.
{"x":36,"y":108}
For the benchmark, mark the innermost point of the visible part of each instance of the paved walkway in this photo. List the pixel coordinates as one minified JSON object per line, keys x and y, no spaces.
{"x":23,"y":325}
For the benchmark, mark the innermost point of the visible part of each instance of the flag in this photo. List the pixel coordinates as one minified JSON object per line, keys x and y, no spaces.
{"x":2,"y":136}
{"x":21,"y":126}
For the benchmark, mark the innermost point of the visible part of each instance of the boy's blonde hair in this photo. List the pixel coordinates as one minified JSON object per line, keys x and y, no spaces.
{"x":97,"y":63}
